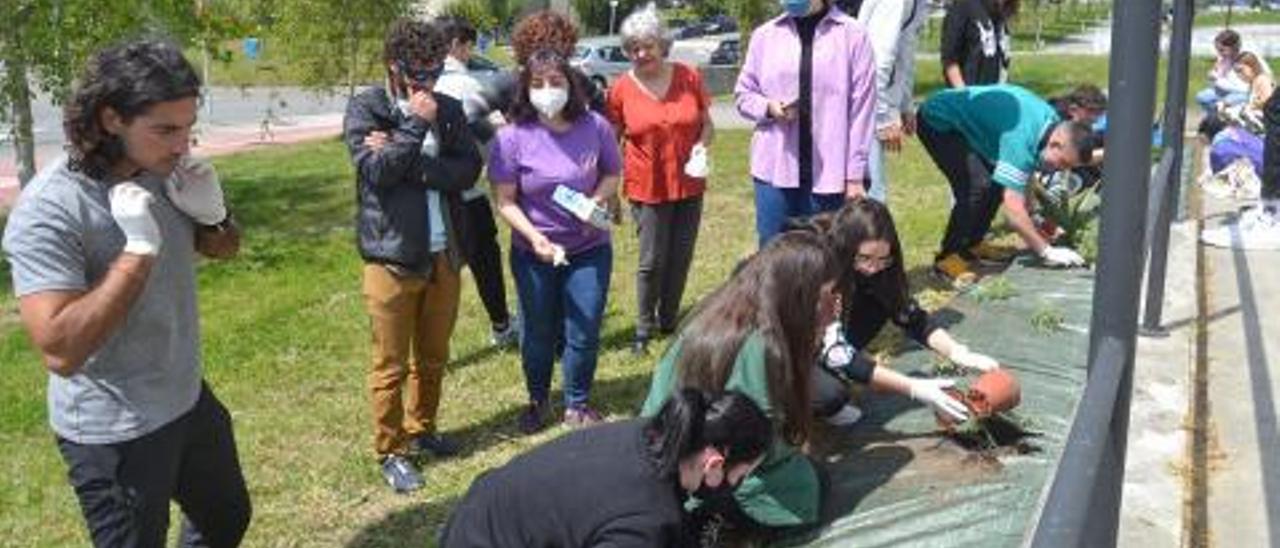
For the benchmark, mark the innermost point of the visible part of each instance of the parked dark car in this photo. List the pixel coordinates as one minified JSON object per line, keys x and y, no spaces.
{"x":726,"y":53}
{"x":719,"y":24}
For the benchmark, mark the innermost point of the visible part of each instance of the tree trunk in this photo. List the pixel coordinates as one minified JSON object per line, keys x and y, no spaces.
{"x":19,"y":91}
{"x":355,"y":60}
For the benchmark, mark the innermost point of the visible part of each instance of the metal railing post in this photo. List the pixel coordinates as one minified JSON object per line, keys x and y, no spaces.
{"x":1088,"y":470}
{"x":1174,"y":126}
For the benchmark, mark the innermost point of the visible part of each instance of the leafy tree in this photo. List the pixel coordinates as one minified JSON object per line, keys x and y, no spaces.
{"x":593,"y":15}
{"x":329,"y":42}
{"x":44,"y":44}
{"x":474,"y":11}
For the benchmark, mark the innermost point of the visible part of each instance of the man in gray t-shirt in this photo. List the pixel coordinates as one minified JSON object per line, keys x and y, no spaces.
{"x":102,"y":246}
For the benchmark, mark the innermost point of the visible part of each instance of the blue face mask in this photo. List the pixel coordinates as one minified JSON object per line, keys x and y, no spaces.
{"x":795,"y":8}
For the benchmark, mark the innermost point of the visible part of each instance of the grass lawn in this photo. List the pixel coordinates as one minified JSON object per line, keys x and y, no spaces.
{"x":286,"y":345}
{"x":1218,"y":18}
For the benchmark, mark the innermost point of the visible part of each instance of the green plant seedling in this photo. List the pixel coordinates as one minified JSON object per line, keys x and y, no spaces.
{"x":1047,"y":319}
{"x":997,"y":288}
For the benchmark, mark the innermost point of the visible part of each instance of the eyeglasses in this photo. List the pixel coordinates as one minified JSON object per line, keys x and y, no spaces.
{"x":420,"y":75}
{"x":872,"y":261}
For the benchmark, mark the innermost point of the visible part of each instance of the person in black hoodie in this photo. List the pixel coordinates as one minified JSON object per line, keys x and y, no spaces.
{"x":621,"y":484}
{"x":976,"y":42}
{"x":410,"y":234}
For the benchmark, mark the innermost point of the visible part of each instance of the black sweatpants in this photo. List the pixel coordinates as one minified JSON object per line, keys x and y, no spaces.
{"x":668,"y":233}
{"x":125,"y":488}
{"x":977,"y":197}
{"x":484,"y":257}
{"x":1271,"y":149}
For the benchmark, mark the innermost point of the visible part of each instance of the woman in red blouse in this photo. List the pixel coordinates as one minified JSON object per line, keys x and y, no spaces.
{"x":660,"y":110}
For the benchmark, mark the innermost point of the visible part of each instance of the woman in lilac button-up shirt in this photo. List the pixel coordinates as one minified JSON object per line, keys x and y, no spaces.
{"x":808,"y":83}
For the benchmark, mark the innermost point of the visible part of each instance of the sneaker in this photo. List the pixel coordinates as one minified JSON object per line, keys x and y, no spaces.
{"x":640,"y":346}
{"x":401,"y":474}
{"x":955,"y":270}
{"x":846,"y":416}
{"x":533,"y":418}
{"x":988,"y":252}
{"x":1219,"y":186}
{"x":1255,"y":229}
{"x":506,"y":335}
{"x":435,"y":444}
{"x":1245,"y":181}
{"x":581,"y":416}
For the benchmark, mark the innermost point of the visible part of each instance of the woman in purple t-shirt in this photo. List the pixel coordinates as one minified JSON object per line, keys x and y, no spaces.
{"x":552,"y":171}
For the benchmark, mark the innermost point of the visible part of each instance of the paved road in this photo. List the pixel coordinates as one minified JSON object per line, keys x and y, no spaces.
{"x":232,"y":120}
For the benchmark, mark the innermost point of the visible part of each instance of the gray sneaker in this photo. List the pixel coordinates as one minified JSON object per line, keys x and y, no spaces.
{"x":401,"y":474}
{"x":508,"y":336}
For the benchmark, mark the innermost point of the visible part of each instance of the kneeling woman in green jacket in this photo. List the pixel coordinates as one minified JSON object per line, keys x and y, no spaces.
{"x":758,"y":335}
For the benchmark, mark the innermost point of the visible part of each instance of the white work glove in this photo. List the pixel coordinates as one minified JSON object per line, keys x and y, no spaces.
{"x":699,"y":164}
{"x":963,"y":357}
{"x":1061,"y":256}
{"x":930,"y":391}
{"x":131,"y":208}
{"x":194,"y":189}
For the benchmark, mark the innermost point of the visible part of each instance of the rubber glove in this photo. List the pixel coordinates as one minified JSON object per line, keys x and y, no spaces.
{"x":1061,"y":256}
{"x":962,"y":356}
{"x":131,"y":208}
{"x":929,"y":391}
{"x":194,"y":189}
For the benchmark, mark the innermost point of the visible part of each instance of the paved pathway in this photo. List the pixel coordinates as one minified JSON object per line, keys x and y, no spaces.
{"x":1226,"y":490}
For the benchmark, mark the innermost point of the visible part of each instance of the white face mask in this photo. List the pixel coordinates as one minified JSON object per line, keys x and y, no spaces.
{"x":549,"y":100}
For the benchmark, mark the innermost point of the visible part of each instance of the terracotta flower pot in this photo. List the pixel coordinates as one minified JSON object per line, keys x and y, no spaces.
{"x":994,"y":392}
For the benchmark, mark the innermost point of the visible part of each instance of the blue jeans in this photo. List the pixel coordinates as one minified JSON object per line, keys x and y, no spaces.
{"x":561,"y":303}
{"x":1207,"y":97}
{"x":775,"y":205}
{"x":879,"y":189}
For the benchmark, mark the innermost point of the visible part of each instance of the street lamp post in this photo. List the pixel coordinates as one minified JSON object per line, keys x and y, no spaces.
{"x":613,"y":13}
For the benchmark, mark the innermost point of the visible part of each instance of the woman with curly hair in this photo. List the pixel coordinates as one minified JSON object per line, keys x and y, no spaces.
{"x":553,"y":169}
{"x":552,"y":30}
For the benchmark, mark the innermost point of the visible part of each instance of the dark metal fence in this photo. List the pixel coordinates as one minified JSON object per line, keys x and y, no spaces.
{"x":1083,"y":504}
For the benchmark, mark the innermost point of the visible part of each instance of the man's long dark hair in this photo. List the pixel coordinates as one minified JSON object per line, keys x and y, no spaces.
{"x":775,"y":293}
{"x":693,"y":420}
{"x":129,"y":78}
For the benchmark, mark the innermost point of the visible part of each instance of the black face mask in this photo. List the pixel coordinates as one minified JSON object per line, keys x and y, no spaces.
{"x":706,"y":492}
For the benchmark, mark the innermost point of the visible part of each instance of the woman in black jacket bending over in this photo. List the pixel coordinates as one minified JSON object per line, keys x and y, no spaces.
{"x":873,"y":292}
{"x":619,"y":484}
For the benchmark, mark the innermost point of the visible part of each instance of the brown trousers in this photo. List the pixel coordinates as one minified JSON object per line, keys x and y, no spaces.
{"x":411,"y":320}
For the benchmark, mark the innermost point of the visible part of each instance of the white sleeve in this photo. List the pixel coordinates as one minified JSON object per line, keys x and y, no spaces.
{"x":905,"y":71}
{"x":883,"y":20}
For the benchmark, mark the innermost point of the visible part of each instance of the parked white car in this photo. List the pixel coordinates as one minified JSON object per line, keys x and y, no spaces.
{"x":601,"y":59}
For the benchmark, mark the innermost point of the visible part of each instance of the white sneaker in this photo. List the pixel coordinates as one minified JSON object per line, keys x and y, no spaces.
{"x":1244,"y":180}
{"x":1218,"y":185}
{"x":846,"y":416}
{"x":1255,"y":229}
